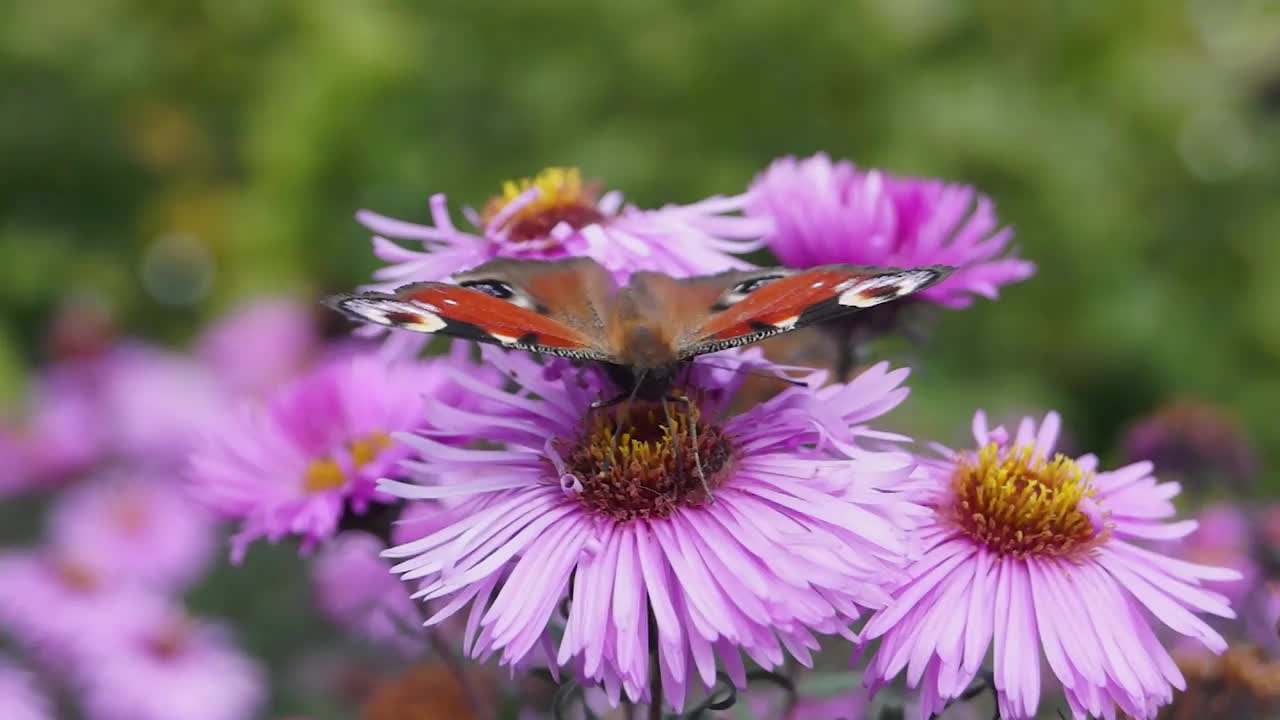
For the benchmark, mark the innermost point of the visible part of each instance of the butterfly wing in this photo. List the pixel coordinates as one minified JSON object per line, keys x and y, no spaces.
{"x":737,"y":308}
{"x":553,"y":307}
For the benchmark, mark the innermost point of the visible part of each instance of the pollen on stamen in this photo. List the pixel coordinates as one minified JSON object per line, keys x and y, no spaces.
{"x":1021,"y":504}
{"x":645,"y":469}
{"x":562,"y":198}
{"x":327,"y":474}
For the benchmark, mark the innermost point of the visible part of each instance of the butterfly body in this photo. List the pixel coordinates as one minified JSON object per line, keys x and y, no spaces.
{"x":641,"y":332}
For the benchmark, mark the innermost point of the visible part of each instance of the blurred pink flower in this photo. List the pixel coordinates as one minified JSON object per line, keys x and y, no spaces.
{"x":1035,"y":551}
{"x":1224,"y":538}
{"x":61,"y":436}
{"x":1194,"y":442}
{"x":261,"y":343}
{"x":806,"y":527}
{"x":557,"y":215}
{"x":135,"y":529}
{"x":52,"y":604}
{"x":831,"y":212}
{"x":313,"y":449}
{"x":156,"y":404}
{"x":355,"y":589}
{"x":132,"y":403}
{"x":160,"y":664}
{"x":20,"y":698}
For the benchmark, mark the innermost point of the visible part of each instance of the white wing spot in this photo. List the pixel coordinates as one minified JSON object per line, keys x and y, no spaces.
{"x":504,"y":339}
{"x":426,"y":323}
{"x":903,"y":283}
{"x":787,"y":324}
{"x":380,"y":311}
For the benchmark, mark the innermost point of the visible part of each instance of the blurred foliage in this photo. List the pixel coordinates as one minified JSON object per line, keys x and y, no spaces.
{"x":168,"y":158}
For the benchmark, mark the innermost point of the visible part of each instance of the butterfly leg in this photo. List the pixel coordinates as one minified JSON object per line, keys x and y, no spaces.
{"x":671,"y":429}
{"x":693,"y":438}
{"x":604,"y":404}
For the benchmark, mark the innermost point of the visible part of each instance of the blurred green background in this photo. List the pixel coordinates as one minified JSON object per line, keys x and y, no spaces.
{"x":1135,"y":147}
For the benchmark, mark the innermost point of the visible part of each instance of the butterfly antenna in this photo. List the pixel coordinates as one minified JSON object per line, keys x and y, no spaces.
{"x":626,"y":412}
{"x":693,"y":438}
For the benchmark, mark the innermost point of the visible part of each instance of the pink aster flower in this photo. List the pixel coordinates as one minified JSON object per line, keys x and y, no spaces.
{"x":160,"y":664}
{"x":135,"y":529}
{"x":573,"y":523}
{"x":261,"y":343}
{"x":1042,"y":554}
{"x":355,"y":589}
{"x":557,"y":215}
{"x":831,"y":212}
{"x":20,"y":699}
{"x":315,"y":448}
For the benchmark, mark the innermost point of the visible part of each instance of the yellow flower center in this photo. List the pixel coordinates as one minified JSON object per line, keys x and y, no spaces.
{"x":326,"y":474}
{"x":562,"y":197}
{"x":633,"y":463}
{"x":1020,"y":504}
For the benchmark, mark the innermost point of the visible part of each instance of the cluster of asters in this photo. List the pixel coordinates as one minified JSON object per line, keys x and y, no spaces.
{"x":96,"y":609}
{"x":655,"y":559}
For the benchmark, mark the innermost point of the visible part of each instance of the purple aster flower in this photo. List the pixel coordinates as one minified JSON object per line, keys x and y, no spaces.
{"x":130,"y":529}
{"x":354,"y":589}
{"x":831,"y":212}
{"x":557,"y":215}
{"x":160,"y":664}
{"x":1040,"y":553}
{"x":20,"y":699}
{"x":577,"y":523}
{"x":281,"y":332}
{"x":292,"y":465}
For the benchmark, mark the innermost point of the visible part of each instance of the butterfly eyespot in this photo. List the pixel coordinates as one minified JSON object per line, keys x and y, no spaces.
{"x":749,"y":286}
{"x":492,"y":288}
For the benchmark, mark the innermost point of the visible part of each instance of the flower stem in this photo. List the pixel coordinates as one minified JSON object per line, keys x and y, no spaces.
{"x":655,"y":671}
{"x":655,"y":688}
{"x":476,"y":699}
